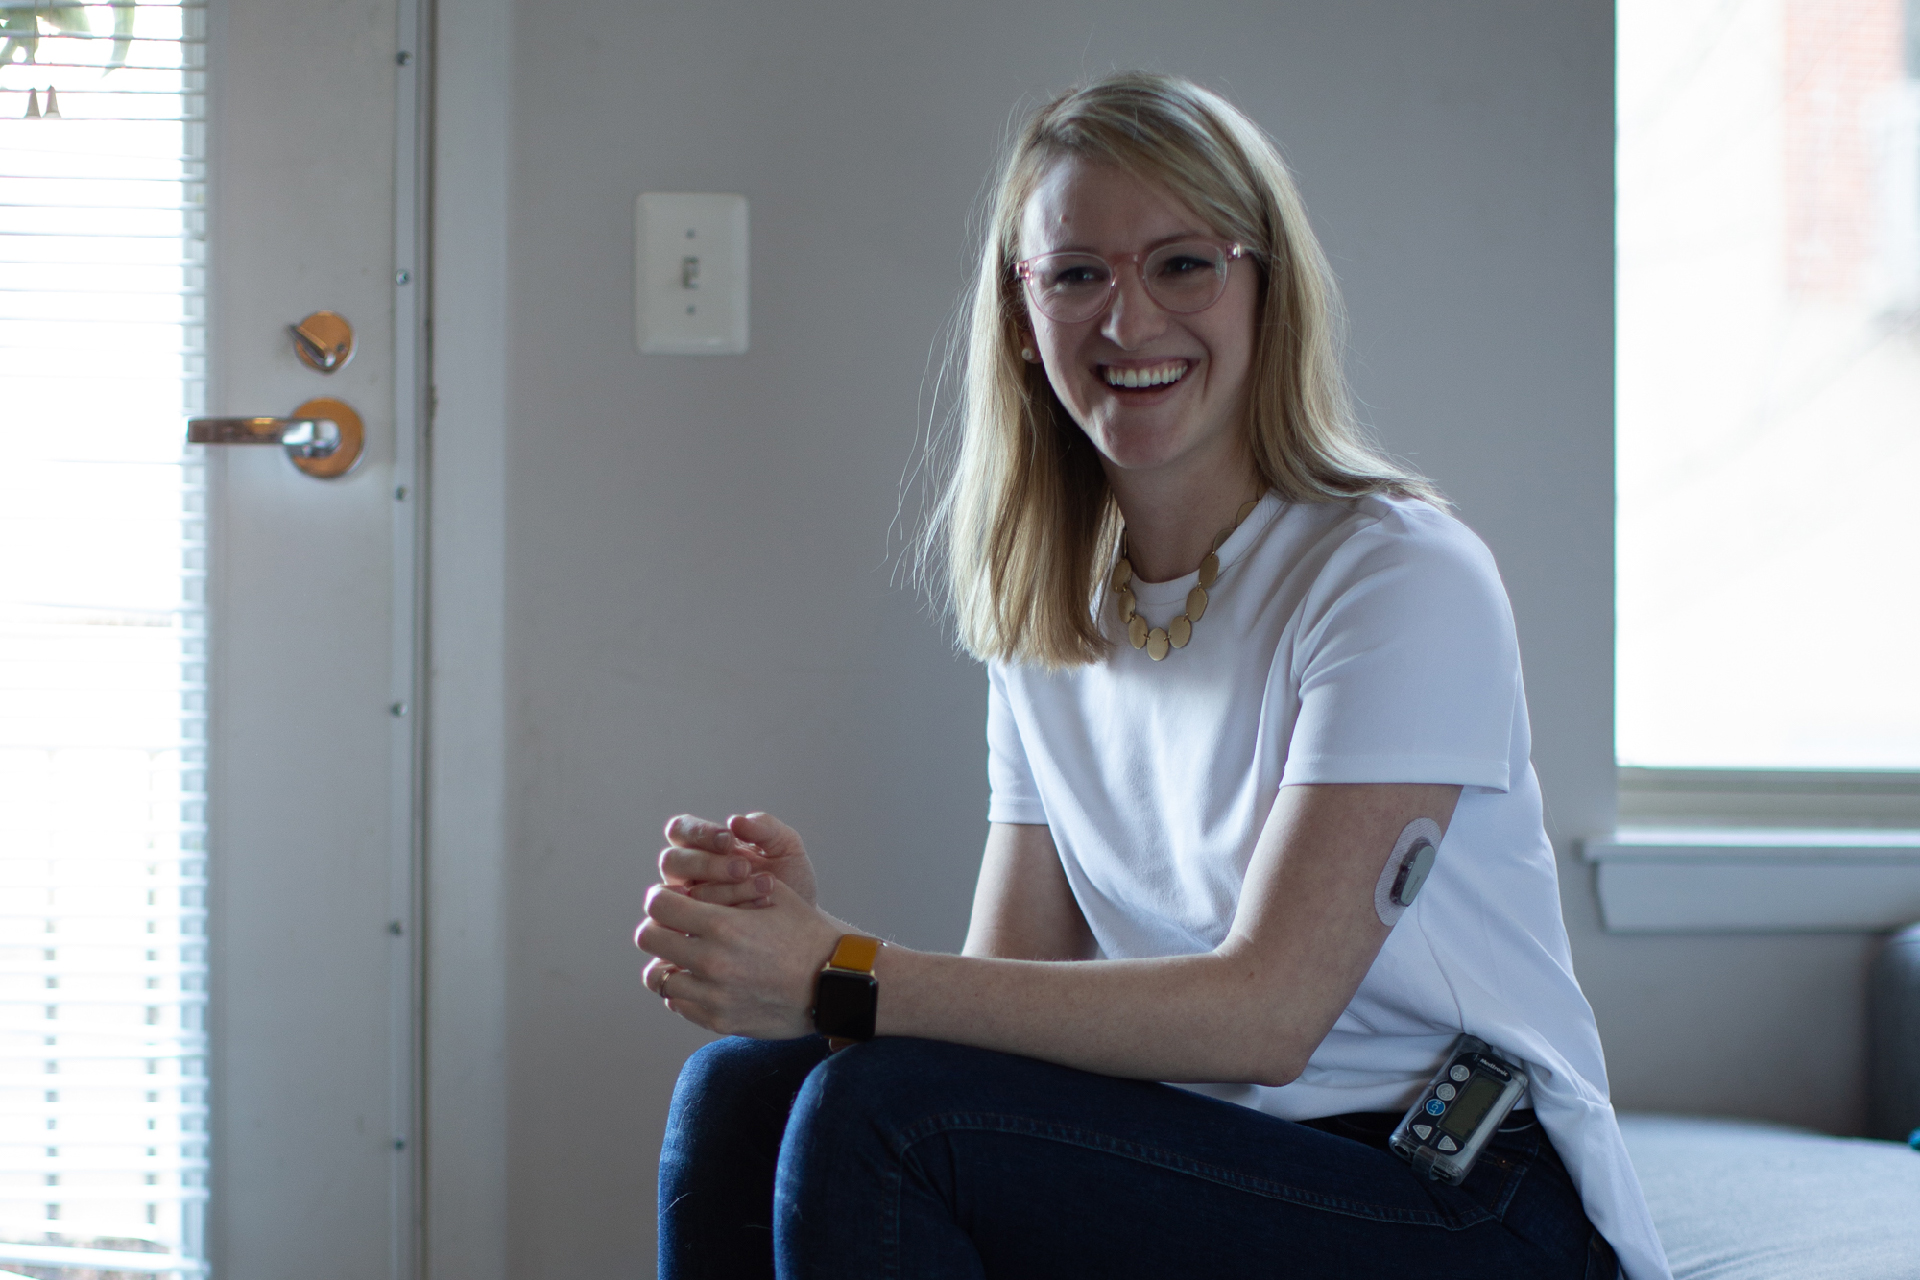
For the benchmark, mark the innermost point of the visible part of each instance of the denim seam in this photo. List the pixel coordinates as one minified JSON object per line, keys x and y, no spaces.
{"x":892,"y":1181}
{"x":933,"y":1126}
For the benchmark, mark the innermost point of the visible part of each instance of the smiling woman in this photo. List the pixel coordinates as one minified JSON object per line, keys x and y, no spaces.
{"x":1197,"y":871}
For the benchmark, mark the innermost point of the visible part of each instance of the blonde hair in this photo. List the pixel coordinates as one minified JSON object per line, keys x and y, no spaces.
{"x":1026,"y":520}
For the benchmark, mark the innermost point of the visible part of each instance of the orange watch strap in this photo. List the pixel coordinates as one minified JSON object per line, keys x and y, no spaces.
{"x":855,"y":951}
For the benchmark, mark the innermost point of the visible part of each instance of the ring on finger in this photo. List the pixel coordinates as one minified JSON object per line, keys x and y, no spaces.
{"x":664,"y":975}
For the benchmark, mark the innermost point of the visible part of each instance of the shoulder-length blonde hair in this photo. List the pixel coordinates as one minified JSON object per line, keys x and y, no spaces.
{"x":1026,"y":521}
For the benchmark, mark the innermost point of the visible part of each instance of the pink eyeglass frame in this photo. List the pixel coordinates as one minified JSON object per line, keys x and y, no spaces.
{"x":1023,"y":271}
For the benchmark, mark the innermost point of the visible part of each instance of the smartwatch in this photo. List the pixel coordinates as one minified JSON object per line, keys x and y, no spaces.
{"x":847,"y":995}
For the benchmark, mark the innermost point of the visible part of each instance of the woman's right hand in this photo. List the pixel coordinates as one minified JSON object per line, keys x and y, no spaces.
{"x":724,"y":863}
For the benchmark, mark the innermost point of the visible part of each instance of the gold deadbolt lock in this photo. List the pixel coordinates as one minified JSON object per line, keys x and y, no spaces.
{"x":323,"y":341}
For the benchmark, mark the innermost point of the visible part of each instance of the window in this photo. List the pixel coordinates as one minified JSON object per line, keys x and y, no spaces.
{"x":1769,"y":384}
{"x":103,"y":1092}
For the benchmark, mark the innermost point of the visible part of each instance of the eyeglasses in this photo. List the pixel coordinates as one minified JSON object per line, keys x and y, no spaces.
{"x":1183,"y":277}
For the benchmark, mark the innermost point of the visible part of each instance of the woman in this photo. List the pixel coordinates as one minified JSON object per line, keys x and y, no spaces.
{"x":1235,"y":656}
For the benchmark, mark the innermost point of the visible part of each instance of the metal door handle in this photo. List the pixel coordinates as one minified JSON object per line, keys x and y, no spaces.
{"x":304,"y":437}
{"x":324,"y":437}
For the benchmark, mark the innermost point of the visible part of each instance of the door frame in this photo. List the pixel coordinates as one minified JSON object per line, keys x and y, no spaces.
{"x":468,"y":1234}
{"x":412,"y":407}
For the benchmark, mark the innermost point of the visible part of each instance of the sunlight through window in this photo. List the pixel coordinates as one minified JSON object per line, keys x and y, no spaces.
{"x":1769,"y":383}
{"x":103,"y":1142}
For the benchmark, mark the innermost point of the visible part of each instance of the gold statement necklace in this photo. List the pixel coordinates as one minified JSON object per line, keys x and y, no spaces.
{"x":1160,"y":641}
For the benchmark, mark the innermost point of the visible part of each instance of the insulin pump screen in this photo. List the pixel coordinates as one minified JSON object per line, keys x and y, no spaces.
{"x":1474,"y":1102}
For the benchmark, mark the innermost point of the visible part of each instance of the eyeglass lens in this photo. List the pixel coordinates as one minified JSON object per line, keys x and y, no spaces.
{"x":1183,"y":277}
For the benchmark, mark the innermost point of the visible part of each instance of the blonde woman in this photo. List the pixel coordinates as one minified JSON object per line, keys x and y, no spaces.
{"x":1235,"y":655}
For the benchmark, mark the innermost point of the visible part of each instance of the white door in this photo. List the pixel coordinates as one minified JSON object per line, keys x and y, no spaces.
{"x":295,"y":938}
{"x":312,"y":715}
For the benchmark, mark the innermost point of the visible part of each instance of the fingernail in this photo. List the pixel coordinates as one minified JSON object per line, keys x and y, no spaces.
{"x":764,"y":883}
{"x":723,"y":838}
{"x":738,"y":868}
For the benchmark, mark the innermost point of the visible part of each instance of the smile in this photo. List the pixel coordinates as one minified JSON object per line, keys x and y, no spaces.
{"x":1157,"y":375}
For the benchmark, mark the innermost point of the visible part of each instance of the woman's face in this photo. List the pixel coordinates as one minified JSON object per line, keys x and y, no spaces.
{"x":1190,"y":418}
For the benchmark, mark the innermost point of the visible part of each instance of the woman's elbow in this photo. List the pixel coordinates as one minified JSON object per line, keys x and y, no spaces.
{"x":1276,"y":1078}
{"x":1277,"y":1061}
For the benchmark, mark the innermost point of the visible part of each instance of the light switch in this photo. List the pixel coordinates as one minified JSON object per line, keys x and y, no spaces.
{"x":690,"y":256}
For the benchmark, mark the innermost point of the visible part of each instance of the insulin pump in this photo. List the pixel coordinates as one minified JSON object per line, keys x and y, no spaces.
{"x":1459,"y":1110}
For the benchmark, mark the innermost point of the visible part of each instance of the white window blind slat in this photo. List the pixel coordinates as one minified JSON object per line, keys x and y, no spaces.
{"x":103,"y":975}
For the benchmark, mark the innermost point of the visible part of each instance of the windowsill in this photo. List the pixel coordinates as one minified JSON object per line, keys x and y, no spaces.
{"x":1698,"y":879}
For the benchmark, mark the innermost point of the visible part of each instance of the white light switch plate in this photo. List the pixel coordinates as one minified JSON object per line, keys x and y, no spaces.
{"x":690,"y":255}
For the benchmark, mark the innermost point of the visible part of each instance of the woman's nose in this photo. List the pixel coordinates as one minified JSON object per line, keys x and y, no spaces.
{"x":1133,"y":317}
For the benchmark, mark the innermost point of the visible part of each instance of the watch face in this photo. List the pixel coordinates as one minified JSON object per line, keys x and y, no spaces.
{"x":844,"y":1004}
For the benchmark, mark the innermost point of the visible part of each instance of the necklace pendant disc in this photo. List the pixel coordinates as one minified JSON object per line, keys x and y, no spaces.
{"x":1122,"y":573}
{"x":1196,"y":604}
{"x":1137,"y":631}
{"x":1209,"y":569}
{"x":1127,"y":605}
{"x":1179,"y":631}
{"x":1157,"y":644}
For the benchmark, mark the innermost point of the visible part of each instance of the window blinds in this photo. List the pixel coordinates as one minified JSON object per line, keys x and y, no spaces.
{"x":103,"y":1088}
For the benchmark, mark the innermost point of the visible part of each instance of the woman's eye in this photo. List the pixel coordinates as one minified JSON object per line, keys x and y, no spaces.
{"x":1184,"y":264}
{"x":1078,"y":275}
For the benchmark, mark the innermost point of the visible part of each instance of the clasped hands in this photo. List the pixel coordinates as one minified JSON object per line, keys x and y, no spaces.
{"x":732,"y":927}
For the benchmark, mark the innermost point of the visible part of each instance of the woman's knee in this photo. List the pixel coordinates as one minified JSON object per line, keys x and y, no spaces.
{"x":888,"y":1084}
{"x":737,"y":1071}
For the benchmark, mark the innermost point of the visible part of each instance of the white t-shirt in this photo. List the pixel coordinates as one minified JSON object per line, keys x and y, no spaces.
{"x":1362,"y":641}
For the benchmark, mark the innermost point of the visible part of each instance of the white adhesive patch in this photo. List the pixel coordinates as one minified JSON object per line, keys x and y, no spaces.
{"x":1404,"y":850}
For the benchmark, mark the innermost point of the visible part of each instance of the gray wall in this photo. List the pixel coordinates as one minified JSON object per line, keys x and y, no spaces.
{"x":666,"y":579}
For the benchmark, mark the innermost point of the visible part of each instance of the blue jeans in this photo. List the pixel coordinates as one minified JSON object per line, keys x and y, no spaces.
{"x":924,"y":1160}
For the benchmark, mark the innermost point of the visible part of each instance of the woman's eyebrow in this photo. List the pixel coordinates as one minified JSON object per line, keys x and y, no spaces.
{"x":1149,"y":247}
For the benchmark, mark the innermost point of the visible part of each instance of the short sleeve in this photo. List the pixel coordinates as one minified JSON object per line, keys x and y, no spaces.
{"x":1408,"y":669}
{"x":1015,"y":796}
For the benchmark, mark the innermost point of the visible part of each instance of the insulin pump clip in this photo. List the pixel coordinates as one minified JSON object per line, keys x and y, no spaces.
{"x":1457,"y":1113}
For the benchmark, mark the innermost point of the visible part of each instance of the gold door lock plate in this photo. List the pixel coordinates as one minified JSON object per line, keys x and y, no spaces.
{"x":323,"y":341}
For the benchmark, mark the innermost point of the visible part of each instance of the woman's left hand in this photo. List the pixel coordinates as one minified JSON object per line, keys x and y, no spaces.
{"x":748,"y":973}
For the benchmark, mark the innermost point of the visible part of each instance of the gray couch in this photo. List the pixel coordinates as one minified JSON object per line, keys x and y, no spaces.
{"x":1735,"y":1200}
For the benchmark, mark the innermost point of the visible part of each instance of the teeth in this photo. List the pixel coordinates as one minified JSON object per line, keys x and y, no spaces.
{"x":1156,"y":376}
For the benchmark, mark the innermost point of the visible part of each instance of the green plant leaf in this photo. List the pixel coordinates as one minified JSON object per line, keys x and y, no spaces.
{"x":122,"y":33}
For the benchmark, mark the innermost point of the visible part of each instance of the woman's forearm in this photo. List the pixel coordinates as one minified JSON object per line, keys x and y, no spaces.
{"x":1208,"y":1017}
{"x":1252,"y":1010}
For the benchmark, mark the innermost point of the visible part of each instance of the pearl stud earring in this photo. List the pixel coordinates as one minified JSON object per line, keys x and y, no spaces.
{"x":1026,"y":353}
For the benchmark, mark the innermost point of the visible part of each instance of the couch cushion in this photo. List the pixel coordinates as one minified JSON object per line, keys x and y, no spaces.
{"x":1735,"y":1200}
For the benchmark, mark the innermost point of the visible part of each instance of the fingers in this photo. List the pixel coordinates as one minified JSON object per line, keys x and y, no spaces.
{"x":670,"y":945}
{"x":654,"y":975}
{"x":682,"y":865}
{"x":691,"y":832}
{"x":678,"y":911}
{"x":773,"y":836}
{"x":687,"y":994}
{"x":751,"y":893}
{"x":699,"y":851}
{"x":690,"y":996}
{"x":672,"y":925}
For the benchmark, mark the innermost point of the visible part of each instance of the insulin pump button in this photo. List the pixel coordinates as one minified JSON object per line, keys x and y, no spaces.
{"x":1459,"y":1071}
{"x":1448,"y":1144}
{"x":1435,"y":1106}
{"x":1423,"y":1131}
{"x":1444,"y":1093}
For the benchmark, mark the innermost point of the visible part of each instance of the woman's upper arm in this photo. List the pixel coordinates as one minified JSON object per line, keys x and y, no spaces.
{"x":1306,"y":922}
{"x":1023,"y":908}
